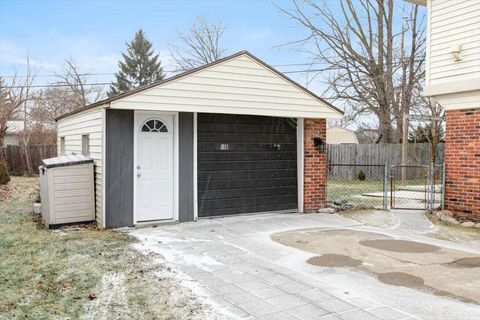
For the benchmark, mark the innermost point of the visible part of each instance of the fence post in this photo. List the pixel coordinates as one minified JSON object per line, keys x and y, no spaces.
{"x":385,"y":186}
{"x":442,"y":200}
{"x":430,"y":187}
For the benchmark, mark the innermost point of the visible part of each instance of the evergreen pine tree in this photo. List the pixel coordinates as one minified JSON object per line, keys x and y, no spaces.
{"x":140,"y":66}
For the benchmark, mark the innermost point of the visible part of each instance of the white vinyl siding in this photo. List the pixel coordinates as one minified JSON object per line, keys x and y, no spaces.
{"x":453,"y":23}
{"x":237,"y":86}
{"x":460,"y":100}
{"x":72,"y":128}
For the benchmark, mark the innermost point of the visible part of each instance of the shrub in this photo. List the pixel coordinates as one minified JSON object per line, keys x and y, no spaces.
{"x":4,"y":176}
{"x":361,"y":175}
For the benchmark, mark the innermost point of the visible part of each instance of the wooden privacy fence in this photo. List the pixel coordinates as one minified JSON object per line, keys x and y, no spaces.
{"x":16,"y":158}
{"x":369,"y":157}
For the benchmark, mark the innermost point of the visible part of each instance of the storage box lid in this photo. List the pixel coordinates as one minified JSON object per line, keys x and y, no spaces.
{"x":63,"y":161}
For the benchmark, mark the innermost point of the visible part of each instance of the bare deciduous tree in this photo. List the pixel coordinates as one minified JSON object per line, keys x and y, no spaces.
{"x":371,"y":60}
{"x":200,"y":45}
{"x":76,"y":82}
{"x":71,"y":92}
{"x":13,"y":96}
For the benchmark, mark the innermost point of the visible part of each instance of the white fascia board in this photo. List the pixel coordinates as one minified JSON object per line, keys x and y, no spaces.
{"x":227,"y":110}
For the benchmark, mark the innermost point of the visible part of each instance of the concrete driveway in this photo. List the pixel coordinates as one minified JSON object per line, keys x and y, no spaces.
{"x":235,"y":266}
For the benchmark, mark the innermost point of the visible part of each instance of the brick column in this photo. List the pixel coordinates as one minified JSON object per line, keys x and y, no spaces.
{"x":462,"y":163}
{"x":315,"y":166}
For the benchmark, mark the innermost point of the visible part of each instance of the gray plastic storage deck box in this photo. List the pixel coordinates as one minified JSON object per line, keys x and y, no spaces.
{"x":67,"y":190}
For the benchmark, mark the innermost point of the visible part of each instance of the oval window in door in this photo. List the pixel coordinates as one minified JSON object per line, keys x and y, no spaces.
{"x":154,"y":125}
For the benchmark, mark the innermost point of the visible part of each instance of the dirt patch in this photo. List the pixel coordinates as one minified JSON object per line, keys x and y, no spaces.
{"x":347,"y":232}
{"x":401,"y":279}
{"x":458,"y":234}
{"x":465,"y":263}
{"x":373,"y":218}
{"x":399,"y":245}
{"x":334,"y":260}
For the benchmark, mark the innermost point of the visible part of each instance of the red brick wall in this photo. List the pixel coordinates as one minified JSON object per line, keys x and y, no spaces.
{"x":462,"y":163}
{"x":315,"y":166}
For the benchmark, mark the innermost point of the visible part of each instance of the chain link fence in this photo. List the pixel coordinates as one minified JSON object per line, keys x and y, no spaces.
{"x":357,"y":186}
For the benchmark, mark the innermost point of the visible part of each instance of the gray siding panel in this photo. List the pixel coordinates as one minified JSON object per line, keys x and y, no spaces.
{"x":119,"y":168}
{"x":185,"y":185}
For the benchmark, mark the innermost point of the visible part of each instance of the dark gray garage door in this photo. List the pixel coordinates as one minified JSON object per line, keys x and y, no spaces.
{"x":246,"y":164}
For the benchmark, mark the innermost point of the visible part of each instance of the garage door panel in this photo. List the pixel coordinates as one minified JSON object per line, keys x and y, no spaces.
{"x":247,"y":137}
{"x":209,"y":118}
{"x":250,"y":209}
{"x":245,"y":128}
{"x":245,"y":164}
{"x":247,"y":183}
{"x":246,"y":192}
{"x":245,"y":174}
{"x":248,"y":156}
{"x":244,"y":146}
{"x":247,"y":202}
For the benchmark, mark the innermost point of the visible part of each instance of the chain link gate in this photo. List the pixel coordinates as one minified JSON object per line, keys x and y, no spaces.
{"x":416,"y":187}
{"x":413,"y":187}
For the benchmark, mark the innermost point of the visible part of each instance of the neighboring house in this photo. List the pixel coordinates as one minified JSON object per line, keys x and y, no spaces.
{"x":339,"y":135}
{"x":453,"y":79}
{"x":13,"y":136}
{"x":234,"y":136}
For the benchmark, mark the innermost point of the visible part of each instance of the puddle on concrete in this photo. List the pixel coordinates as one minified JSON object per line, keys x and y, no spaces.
{"x":465,"y":263}
{"x":334,"y":260}
{"x":421,"y":266}
{"x":399,"y":245}
{"x":401,"y":279}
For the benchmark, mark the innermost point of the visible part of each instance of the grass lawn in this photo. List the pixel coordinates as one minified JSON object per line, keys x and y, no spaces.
{"x":79,"y":272}
{"x":352,"y":190}
{"x":454,"y":233}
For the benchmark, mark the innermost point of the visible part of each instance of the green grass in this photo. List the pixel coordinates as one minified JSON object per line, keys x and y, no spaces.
{"x":352,"y":190}
{"x":47,"y":276}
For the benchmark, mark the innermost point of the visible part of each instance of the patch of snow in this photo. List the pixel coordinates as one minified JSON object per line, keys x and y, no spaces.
{"x":165,"y":257}
{"x":112,"y":288}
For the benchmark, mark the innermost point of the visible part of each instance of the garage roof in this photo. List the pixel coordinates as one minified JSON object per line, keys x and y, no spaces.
{"x":238,"y":84}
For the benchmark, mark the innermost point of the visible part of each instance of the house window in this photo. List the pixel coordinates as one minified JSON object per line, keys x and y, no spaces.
{"x":62,"y":146}
{"x":85,"y":145}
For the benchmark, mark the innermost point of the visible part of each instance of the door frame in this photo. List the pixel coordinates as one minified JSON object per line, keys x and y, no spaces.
{"x":175,"y":159}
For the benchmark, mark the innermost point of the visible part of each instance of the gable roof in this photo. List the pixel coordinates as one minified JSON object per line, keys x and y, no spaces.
{"x":195,"y":70}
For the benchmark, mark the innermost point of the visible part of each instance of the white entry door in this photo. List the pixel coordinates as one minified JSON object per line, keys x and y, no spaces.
{"x":154,"y":168}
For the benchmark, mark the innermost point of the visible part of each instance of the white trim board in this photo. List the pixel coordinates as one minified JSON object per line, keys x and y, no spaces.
{"x":300,"y":163}
{"x":104,"y":168}
{"x":195,"y":167}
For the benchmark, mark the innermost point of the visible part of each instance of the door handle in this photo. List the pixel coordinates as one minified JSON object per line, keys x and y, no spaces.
{"x":139,"y":174}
